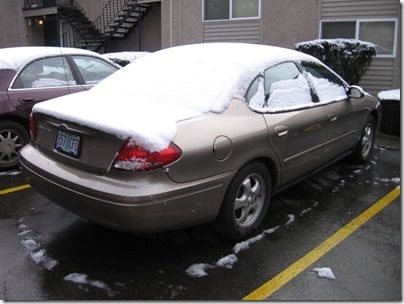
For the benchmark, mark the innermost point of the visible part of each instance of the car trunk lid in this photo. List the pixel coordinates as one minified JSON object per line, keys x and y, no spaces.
{"x":76,"y":145}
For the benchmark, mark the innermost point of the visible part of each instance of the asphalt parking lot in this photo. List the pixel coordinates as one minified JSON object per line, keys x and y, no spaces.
{"x":346,"y":219}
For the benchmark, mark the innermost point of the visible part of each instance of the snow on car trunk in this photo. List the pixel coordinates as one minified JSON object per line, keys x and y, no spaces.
{"x":148,"y":97}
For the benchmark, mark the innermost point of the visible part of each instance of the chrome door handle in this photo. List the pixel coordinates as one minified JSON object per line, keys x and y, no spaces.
{"x":281,"y":130}
{"x":332,"y":117}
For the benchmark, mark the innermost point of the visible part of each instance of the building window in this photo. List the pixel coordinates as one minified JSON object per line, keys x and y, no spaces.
{"x":231,"y":9}
{"x":381,"y":32}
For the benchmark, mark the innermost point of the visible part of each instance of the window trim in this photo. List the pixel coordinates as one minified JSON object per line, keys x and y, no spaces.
{"x":357,"y":28}
{"x":231,"y":13}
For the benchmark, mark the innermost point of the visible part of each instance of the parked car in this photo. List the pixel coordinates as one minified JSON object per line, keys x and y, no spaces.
{"x":196,"y":134}
{"x":29,"y":75}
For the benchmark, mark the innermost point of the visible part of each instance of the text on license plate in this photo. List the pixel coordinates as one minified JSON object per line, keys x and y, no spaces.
{"x":68,"y":143}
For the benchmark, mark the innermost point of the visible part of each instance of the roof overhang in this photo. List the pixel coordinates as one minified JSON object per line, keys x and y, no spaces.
{"x":42,"y":11}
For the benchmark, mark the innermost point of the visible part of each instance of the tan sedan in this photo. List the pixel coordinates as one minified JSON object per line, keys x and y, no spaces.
{"x":196,"y":134}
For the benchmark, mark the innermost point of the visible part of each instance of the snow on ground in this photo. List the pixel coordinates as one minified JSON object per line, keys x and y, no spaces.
{"x":10,"y":172}
{"x":82,"y":279}
{"x":37,"y":254}
{"x":389,"y":95}
{"x":200,"y":269}
{"x":324,"y":272}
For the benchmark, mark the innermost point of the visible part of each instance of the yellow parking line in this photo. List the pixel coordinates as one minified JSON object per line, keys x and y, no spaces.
{"x":264,"y":291}
{"x":14,"y":189}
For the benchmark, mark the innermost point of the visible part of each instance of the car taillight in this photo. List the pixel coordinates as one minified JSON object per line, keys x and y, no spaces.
{"x":32,"y":126}
{"x":131,"y":157}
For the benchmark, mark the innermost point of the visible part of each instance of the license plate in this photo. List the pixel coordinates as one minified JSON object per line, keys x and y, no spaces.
{"x":68,"y":143}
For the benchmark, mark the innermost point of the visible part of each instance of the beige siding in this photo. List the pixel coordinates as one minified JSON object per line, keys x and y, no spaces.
{"x":379,"y":77}
{"x":232,"y":31}
{"x":346,"y":9}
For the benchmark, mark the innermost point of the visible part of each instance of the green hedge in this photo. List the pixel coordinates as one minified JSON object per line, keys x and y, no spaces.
{"x":350,"y":58}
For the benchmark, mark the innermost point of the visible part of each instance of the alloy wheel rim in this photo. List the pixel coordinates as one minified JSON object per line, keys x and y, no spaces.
{"x":249,"y":200}
{"x":367,"y":140}
{"x":10,"y":144}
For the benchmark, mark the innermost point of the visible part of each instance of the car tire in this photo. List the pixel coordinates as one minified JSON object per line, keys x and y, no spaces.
{"x":13,"y":137}
{"x":245,"y":203}
{"x":365,"y":145}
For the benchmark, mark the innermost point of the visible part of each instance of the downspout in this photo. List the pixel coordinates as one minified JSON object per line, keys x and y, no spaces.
{"x":171,"y":23}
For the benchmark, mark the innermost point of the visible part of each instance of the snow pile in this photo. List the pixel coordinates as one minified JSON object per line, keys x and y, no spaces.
{"x":40,"y":257}
{"x":37,"y":254}
{"x":324,"y":272}
{"x":80,"y":278}
{"x":200,"y":269}
{"x":148,"y":97}
{"x":389,"y":95}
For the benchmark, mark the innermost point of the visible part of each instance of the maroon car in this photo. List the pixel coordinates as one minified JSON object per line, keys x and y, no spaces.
{"x":29,"y":75}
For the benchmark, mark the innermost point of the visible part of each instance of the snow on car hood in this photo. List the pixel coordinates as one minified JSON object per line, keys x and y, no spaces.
{"x":147,"y":98}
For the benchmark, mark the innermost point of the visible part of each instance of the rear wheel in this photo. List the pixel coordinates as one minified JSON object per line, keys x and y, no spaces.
{"x":365,"y":145}
{"x":13,"y":137}
{"x":246,"y":202}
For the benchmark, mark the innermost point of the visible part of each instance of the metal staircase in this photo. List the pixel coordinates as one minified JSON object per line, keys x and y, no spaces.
{"x":119,"y":17}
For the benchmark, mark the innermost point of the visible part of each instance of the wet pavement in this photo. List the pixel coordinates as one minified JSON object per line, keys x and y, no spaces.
{"x":50,"y":254}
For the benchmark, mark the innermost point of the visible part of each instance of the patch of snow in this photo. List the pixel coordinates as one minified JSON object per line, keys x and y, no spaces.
{"x":395,"y":180}
{"x":291,"y":219}
{"x":80,"y":278}
{"x":10,"y":173}
{"x":227,"y":261}
{"x":24,"y":232}
{"x":246,"y":244}
{"x":389,"y":95}
{"x":324,"y":272}
{"x":30,"y":244}
{"x":198,"y":270}
{"x":40,"y":257}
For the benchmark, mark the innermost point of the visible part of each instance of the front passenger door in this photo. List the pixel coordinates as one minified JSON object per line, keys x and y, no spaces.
{"x":343,"y":128}
{"x":295,"y":124}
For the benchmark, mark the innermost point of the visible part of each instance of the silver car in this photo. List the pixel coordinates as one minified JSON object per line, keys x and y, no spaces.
{"x":196,"y":134}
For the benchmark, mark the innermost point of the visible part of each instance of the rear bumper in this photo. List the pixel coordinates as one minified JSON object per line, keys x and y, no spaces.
{"x":136,"y":202}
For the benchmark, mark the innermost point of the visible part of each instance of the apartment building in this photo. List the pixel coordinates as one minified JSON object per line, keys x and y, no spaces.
{"x":149,"y":25}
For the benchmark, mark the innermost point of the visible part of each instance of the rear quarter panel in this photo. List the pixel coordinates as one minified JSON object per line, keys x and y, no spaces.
{"x":247,"y":140}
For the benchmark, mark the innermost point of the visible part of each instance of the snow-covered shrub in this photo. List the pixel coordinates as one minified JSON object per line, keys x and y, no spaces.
{"x":350,"y":58}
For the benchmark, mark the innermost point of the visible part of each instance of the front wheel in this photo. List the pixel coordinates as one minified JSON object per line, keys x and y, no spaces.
{"x":246,"y":202}
{"x":365,"y":145}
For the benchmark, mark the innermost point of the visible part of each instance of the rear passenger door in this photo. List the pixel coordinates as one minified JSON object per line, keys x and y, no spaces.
{"x":92,"y":70}
{"x":295,"y":124}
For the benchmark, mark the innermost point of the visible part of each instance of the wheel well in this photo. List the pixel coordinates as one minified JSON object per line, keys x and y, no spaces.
{"x":270,"y":164}
{"x":375,"y":115}
{"x":18,"y":119}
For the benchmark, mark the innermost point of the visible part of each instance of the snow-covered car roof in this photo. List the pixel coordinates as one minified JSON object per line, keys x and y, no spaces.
{"x":16,"y":57}
{"x":147,"y":98}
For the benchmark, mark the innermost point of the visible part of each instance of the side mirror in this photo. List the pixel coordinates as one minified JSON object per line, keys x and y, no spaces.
{"x":355,"y":92}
